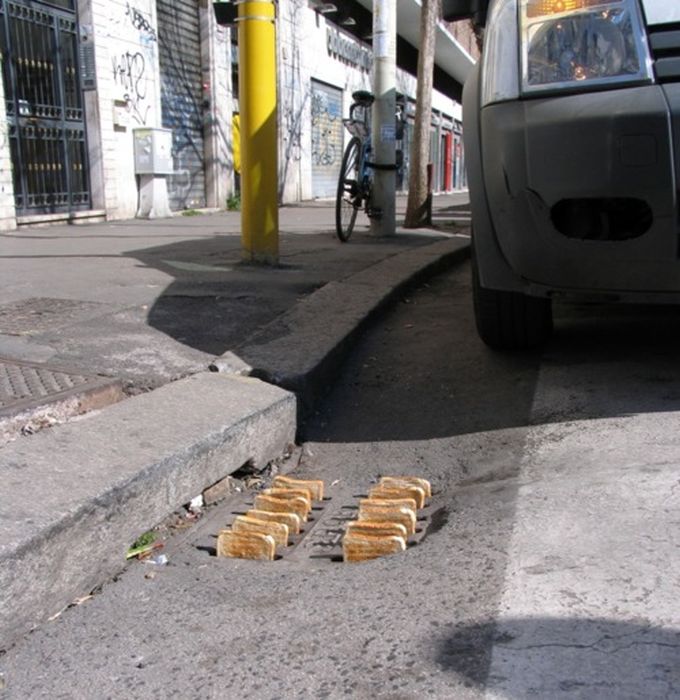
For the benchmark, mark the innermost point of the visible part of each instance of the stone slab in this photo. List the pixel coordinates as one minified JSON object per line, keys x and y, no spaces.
{"x":74,"y":498}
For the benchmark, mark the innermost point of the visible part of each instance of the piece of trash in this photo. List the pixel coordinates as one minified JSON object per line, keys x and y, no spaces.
{"x":408,"y":325}
{"x":140,"y":552}
{"x":158,"y":560}
{"x":3,"y":685}
{"x":252,"y":482}
{"x":335,"y":483}
{"x":141,"y":544}
{"x":196,"y":504}
{"x":82,"y":599}
{"x":150,"y":575}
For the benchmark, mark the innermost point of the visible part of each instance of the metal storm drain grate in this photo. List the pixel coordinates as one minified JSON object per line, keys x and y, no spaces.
{"x":294,"y":521}
{"x":23,"y":385}
{"x":39,"y":314}
{"x":326,"y":542}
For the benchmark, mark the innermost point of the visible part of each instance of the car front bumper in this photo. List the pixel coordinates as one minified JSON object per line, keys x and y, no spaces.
{"x":583,"y":154}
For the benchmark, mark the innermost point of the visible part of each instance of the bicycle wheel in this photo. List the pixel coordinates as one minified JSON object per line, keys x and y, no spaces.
{"x":348,"y":199}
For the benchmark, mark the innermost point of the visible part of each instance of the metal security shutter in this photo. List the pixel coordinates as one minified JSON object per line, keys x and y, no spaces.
{"x":326,"y":139}
{"x":181,"y":99}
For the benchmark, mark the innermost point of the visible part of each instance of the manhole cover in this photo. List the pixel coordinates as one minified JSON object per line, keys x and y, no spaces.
{"x":23,"y":385}
{"x":42,"y":313}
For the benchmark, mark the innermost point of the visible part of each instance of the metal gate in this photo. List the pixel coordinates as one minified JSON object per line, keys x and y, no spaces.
{"x":326,"y":139}
{"x":39,"y":45}
{"x":179,"y":42}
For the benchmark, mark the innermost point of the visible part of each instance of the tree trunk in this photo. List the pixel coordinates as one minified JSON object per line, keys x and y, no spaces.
{"x":417,"y":207}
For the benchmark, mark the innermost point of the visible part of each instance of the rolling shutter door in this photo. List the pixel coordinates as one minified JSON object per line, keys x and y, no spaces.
{"x":326,"y":139}
{"x":181,"y":99}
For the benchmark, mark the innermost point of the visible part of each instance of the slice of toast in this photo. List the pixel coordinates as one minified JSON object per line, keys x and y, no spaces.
{"x":405,"y":502}
{"x":279,"y":531}
{"x":377,"y":512}
{"x":408,"y":481}
{"x":245,"y":545}
{"x":364,"y":547}
{"x":376,"y":528}
{"x":275,"y":504}
{"x":314,"y":486}
{"x":290,"y":519}
{"x":290,"y":493}
{"x":391,"y":492}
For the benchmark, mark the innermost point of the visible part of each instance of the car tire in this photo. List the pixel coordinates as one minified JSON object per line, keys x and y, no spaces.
{"x":510,"y":320}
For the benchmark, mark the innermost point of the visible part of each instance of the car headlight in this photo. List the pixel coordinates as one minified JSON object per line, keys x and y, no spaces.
{"x":576,"y":44}
{"x":500,"y":60}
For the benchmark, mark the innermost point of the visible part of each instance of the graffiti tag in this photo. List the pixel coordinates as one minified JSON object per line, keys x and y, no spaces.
{"x":140,"y":22}
{"x":128,"y":72}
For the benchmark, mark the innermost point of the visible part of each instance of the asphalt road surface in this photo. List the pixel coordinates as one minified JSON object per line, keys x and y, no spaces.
{"x":548,"y":566}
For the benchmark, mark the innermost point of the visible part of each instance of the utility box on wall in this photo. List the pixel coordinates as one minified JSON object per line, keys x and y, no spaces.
{"x":153,"y":151}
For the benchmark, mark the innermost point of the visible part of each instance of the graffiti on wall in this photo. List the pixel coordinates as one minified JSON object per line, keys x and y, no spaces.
{"x":324,"y":128}
{"x":146,"y":32}
{"x":129,"y":74}
{"x":133,"y":56}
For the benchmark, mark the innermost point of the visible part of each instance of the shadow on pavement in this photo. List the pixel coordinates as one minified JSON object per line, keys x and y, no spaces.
{"x":423,"y":372}
{"x":575,"y":657}
{"x":216,"y":301}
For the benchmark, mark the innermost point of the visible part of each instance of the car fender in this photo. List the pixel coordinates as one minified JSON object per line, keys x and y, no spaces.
{"x":493,"y":269}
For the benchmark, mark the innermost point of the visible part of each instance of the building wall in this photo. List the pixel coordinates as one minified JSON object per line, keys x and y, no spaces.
{"x":464,"y":34}
{"x":311,"y":53}
{"x":313,"y":50}
{"x":7,"y":215}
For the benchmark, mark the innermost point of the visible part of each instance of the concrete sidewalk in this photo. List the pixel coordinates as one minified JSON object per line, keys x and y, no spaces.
{"x":93,"y":314}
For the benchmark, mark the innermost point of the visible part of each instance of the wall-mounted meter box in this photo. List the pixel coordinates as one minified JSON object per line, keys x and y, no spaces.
{"x":153,"y":151}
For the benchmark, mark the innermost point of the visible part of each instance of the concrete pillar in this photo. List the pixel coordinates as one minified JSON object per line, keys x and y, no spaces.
{"x":384,"y":108}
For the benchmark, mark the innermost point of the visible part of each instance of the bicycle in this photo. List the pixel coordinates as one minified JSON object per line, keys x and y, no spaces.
{"x":355,"y":181}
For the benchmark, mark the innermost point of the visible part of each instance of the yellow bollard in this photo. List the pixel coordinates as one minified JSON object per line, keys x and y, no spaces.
{"x":257,"y":107}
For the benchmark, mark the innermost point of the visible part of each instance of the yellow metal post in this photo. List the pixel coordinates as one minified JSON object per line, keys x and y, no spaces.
{"x":257,"y":107}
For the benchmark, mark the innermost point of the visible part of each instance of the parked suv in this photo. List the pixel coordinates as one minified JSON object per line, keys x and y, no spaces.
{"x":572,"y":143}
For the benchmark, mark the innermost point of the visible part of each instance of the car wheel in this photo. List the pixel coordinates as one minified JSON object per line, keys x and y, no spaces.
{"x":510,"y":320}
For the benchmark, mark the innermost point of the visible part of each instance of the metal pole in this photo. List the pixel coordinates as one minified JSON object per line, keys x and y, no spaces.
{"x":384,"y":108}
{"x":257,"y":107}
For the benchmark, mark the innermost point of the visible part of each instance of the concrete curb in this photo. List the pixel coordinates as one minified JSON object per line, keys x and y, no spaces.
{"x":75,"y":498}
{"x":302,"y":349}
